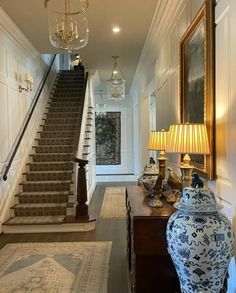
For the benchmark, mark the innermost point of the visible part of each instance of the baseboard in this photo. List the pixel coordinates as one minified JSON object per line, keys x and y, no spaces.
{"x":116,"y":178}
{"x":53,"y":228}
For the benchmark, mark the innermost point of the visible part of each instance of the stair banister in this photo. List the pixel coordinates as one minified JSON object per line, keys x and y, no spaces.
{"x":31,"y":111}
{"x":81,"y":206}
{"x":84,"y":117}
{"x":80,"y":174}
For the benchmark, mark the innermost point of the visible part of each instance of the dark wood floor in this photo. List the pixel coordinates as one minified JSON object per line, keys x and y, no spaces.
{"x":106,"y":230}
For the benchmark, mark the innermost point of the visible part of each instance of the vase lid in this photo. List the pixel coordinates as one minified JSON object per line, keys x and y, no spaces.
{"x":197,"y":200}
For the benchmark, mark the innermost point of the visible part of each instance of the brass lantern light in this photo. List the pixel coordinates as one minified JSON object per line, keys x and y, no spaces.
{"x":116,"y":83}
{"x":68,"y":23}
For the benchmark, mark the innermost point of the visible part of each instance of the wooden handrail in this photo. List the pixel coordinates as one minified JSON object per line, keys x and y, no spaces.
{"x":36,"y":98}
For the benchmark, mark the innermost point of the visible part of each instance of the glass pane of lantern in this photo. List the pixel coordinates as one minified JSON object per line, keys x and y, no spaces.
{"x":116,"y":89}
{"x":68,"y":24}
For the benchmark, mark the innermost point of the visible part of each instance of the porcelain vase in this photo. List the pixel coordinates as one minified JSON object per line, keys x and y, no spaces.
{"x":200,"y":242}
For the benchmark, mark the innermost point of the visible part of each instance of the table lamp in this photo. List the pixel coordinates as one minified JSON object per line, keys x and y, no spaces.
{"x":188,"y":139}
{"x":157,"y":142}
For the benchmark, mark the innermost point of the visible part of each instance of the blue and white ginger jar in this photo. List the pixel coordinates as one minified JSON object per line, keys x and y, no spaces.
{"x":200,"y":242}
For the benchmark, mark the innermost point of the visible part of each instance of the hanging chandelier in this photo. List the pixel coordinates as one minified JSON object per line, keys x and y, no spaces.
{"x":68,"y":23}
{"x":116,"y":84}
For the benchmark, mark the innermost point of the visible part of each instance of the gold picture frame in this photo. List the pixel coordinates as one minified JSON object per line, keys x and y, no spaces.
{"x":197,"y":81}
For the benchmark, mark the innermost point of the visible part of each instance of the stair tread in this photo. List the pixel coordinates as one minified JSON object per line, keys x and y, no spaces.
{"x":35,"y":220}
{"x":44,"y":193}
{"x":59,"y":124}
{"x":32,"y":205}
{"x":49,"y":118}
{"x":44,"y":181}
{"x":42,"y":172}
{"x":69,"y":112}
{"x":42,"y":163}
{"x":51,"y":154}
{"x":57,"y":131}
{"x":52,"y":145}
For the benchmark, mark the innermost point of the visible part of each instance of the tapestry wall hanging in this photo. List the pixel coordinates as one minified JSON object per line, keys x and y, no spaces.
{"x":108,"y":131}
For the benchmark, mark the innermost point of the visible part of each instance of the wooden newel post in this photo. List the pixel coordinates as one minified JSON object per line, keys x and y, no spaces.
{"x":81,"y":206}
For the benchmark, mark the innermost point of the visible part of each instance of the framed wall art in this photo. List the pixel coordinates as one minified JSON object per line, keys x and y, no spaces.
{"x":197,"y":86}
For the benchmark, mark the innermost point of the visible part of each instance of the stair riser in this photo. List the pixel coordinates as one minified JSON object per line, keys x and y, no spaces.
{"x":47,"y":177}
{"x":64,"y":109}
{"x":34,"y":167}
{"x":45,"y":211}
{"x":57,"y":135}
{"x":56,"y":141}
{"x":86,"y":149}
{"x":63,"y":104}
{"x":49,"y":198}
{"x":61,"y":80}
{"x":71,"y":86}
{"x":54,"y":149}
{"x":67,"y":95}
{"x":38,"y":187}
{"x":52,"y":158}
{"x":68,"y":89}
{"x":71,"y":74}
{"x":63,"y":128}
{"x":62,"y":121}
{"x":54,"y":115}
{"x":68,"y":84}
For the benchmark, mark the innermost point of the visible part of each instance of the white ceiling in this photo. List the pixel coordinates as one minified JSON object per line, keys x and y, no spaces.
{"x":133,"y":16}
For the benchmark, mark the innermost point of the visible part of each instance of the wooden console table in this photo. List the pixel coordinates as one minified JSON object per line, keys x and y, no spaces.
{"x":151,"y":268}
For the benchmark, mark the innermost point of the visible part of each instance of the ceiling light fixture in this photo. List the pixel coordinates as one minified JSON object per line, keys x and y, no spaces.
{"x":116,"y":29}
{"x":116,"y":84}
{"x":68,"y":23}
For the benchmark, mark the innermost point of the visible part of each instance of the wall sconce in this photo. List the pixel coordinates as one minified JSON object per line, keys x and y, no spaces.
{"x":29,"y":81}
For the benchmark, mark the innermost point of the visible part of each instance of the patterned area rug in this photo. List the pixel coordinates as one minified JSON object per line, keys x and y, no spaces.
{"x":55,"y":267}
{"x":113,"y":203}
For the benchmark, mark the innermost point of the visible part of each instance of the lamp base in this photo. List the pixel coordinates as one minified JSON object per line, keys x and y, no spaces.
{"x":162,"y":166}
{"x":186,"y":171}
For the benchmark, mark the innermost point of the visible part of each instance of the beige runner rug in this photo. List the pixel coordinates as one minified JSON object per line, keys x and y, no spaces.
{"x":114,"y":203}
{"x":68,"y":267}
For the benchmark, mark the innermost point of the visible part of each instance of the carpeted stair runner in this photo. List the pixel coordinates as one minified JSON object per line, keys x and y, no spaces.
{"x":46,"y":191}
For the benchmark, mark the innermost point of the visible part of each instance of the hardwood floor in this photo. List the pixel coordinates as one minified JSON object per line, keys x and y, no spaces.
{"x":106,"y":230}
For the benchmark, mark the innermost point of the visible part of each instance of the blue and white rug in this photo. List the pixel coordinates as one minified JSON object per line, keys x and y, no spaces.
{"x":55,"y":267}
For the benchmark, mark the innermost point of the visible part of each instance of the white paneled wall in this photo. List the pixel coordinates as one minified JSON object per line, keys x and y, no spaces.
{"x":18,"y":57}
{"x":162,"y":45}
{"x":144,"y":113}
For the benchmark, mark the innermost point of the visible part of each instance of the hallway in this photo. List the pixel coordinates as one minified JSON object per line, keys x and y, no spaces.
{"x":106,"y":230}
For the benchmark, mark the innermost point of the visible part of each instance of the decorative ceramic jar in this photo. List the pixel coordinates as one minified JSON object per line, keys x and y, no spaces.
{"x":200,"y":242}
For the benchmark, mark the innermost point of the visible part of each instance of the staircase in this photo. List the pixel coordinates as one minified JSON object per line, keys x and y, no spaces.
{"x":46,"y":195}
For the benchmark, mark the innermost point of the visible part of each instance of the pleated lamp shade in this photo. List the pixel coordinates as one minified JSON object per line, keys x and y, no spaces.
{"x":158,"y":140}
{"x":188,"y":138}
